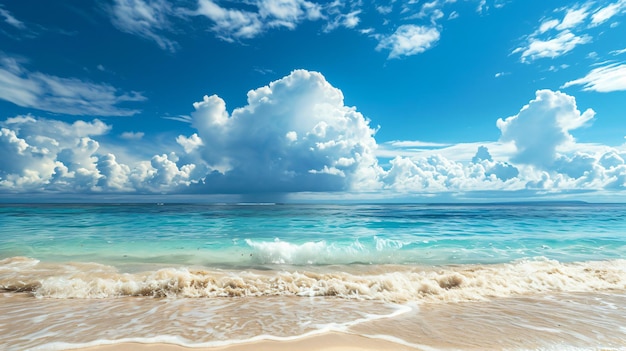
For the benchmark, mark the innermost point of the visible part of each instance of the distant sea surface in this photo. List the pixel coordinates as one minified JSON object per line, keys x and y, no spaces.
{"x":549,"y":276}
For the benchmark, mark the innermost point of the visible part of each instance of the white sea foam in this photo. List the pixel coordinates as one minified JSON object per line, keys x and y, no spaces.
{"x":385,"y":283}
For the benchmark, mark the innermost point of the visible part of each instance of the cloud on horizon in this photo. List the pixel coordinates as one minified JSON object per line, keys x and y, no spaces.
{"x":296,"y":135}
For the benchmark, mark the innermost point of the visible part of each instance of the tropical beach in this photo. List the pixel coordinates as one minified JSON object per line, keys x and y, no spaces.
{"x":217,"y":175}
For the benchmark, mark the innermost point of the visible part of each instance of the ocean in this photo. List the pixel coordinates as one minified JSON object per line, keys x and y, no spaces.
{"x":526,"y":276}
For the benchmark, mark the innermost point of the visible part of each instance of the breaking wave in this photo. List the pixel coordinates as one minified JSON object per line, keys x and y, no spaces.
{"x":390,"y":283}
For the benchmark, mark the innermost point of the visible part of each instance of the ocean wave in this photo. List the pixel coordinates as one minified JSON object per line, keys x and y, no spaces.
{"x":386,"y":283}
{"x":376,"y":250}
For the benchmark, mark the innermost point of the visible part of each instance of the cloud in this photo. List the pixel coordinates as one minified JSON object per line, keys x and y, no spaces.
{"x":409,"y":40}
{"x":573,"y":18}
{"x":437,"y":174}
{"x":36,"y":152}
{"x":145,"y":18}
{"x":545,"y":160}
{"x":132,"y":135}
{"x":617,"y":52}
{"x":348,"y":20}
{"x":235,"y":23}
{"x":548,"y":24}
{"x":54,"y":156}
{"x":570,"y":30}
{"x":542,"y":126}
{"x":190,"y":144}
{"x":61,"y":95}
{"x":154,"y":19}
{"x":603,"y":14}
{"x":10,"y":19}
{"x":603,"y":79}
{"x":414,"y":144}
{"x":384,"y":10}
{"x":294,"y":134}
{"x":563,"y":43}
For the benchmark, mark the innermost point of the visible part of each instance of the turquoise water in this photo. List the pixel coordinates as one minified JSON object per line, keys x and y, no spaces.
{"x":253,"y":235}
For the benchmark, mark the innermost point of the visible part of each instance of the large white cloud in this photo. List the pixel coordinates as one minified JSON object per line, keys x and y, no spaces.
{"x":295,"y":134}
{"x":61,"y":95}
{"x":542,"y":126}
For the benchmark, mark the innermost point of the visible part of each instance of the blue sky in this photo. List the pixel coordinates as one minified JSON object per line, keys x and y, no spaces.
{"x":443,"y":100}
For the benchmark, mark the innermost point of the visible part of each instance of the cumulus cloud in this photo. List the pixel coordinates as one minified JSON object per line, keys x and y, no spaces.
{"x":145,"y":18}
{"x":542,"y":126}
{"x":61,"y":95}
{"x":36,"y":152}
{"x":437,"y":174}
{"x":545,"y":160}
{"x":55,"y":156}
{"x":603,"y":79}
{"x":294,"y":134}
{"x":409,"y":40}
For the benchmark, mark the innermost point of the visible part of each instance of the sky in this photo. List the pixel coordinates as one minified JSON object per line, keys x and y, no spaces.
{"x":298,"y":100}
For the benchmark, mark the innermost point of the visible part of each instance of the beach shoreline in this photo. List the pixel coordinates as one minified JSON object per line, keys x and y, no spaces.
{"x":330,"y":341}
{"x":90,"y":277}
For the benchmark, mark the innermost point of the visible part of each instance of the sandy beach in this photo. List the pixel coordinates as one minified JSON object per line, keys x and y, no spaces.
{"x":327,"y":342}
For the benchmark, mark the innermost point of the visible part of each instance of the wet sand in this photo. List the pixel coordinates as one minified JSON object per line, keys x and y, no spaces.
{"x":582,"y":321}
{"x":326,"y":341}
